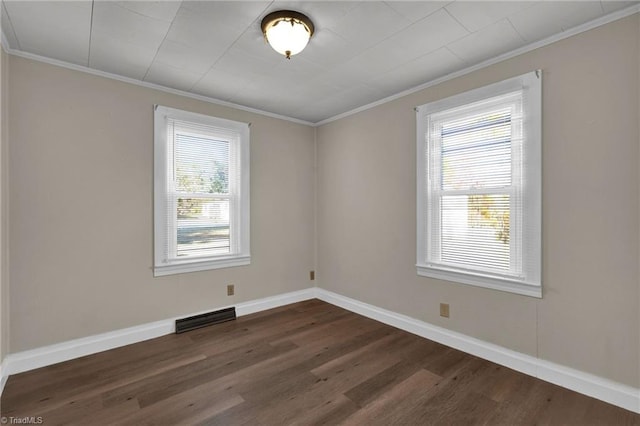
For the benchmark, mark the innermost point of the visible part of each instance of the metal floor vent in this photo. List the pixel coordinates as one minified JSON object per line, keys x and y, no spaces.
{"x":203,"y":320}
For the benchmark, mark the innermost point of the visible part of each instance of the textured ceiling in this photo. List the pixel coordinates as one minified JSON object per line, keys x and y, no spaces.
{"x":361,"y":52}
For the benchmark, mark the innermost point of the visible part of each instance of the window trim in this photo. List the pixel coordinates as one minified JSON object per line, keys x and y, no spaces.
{"x":242,"y":257}
{"x":531,"y":85}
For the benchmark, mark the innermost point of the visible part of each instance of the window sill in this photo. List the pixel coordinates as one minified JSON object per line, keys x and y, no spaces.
{"x":202,"y":265}
{"x":486,"y":281}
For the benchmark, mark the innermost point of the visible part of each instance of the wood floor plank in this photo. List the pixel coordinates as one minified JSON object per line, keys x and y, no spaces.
{"x":601,"y":413}
{"x":157,"y":387}
{"x":454,"y":403}
{"x":564,"y":407}
{"x":36,"y":403}
{"x":332,"y":379}
{"x":376,"y":351}
{"x":105,"y":365}
{"x":192,"y":406}
{"x":372,"y":388}
{"x":389,"y":408}
{"x":330,"y":412}
{"x":309,"y":363}
{"x":343,"y":327}
{"x":89,"y":411}
{"x":528,"y":399}
{"x":245,"y":329}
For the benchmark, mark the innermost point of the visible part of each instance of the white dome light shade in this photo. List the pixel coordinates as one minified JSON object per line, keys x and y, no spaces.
{"x":287,"y":37}
{"x":288,"y":32}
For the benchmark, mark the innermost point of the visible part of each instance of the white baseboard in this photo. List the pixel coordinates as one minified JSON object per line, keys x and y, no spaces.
{"x":258,"y":305}
{"x":52,"y":354}
{"x":47,"y":355}
{"x":3,"y":377}
{"x":606,"y":390}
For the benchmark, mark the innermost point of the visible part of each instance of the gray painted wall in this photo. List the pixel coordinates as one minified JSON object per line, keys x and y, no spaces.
{"x":81,"y":234}
{"x":80,"y":192}
{"x":588,"y":317}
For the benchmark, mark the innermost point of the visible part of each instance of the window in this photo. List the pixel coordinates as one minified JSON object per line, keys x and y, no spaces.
{"x":201,"y":188}
{"x":479,"y":187}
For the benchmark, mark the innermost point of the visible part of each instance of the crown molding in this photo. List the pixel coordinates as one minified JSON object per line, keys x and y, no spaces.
{"x":598,"y":22}
{"x":3,"y":40}
{"x":148,"y":85}
{"x":603,"y":20}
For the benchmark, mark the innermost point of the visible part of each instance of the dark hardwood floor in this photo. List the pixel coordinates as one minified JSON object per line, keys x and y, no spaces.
{"x":304,"y":364}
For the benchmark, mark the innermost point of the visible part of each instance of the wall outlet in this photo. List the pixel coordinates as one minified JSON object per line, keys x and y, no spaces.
{"x":312,"y":275}
{"x":444,"y":310}
{"x":231,"y":290}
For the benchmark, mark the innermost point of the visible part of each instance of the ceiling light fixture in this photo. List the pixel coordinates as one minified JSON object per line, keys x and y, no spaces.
{"x":288,"y":32}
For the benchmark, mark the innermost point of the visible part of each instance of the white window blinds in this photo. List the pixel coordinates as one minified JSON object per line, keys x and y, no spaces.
{"x":203,"y":189}
{"x":201,"y":204}
{"x":479,"y":185}
{"x":473,"y":174}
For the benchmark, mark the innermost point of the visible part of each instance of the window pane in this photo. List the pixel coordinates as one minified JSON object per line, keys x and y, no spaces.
{"x":475,"y":231}
{"x":203,"y":226}
{"x":214,"y":210}
{"x":201,"y":192}
{"x":476,"y":151}
{"x":202,"y":164}
{"x":479,"y":186}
